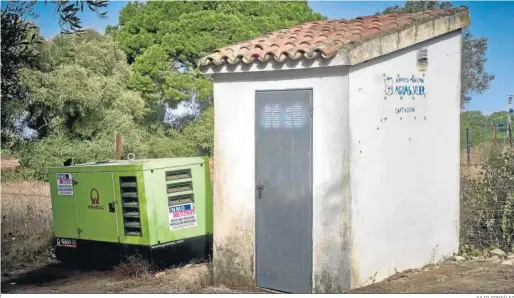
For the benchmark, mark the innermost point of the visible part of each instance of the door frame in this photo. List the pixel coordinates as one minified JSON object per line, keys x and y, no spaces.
{"x":311,"y":179}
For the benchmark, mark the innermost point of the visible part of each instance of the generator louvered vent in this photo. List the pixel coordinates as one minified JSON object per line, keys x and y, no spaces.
{"x":179,"y":187}
{"x":178,"y":175}
{"x":130,"y":206}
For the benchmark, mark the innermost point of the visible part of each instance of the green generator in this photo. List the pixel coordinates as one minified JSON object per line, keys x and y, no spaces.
{"x":159,"y":209}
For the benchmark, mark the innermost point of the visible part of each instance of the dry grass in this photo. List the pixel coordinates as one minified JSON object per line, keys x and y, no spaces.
{"x":185,"y":279}
{"x":477,"y":157}
{"x":26,"y":223}
{"x":134,"y":266}
{"x":191,"y":278}
{"x":9,"y":164}
{"x":188,"y":279}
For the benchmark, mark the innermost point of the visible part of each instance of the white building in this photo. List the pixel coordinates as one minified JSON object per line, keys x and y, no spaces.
{"x":337,"y":151}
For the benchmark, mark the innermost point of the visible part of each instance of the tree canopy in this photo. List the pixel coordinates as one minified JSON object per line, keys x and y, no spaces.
{"x":75,"y":92}
{"x":475,"y":79}
{"x":164,"y":40}
{"x":19,"y":50}
{"x":20,"y":39}
{"x":78,"y":99}
{"x":79,"y":88}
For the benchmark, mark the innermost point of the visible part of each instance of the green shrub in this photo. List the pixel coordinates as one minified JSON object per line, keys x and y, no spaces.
{"x":151,"y":142}
{"x":487,"y":204}
{"x":54,"y":150}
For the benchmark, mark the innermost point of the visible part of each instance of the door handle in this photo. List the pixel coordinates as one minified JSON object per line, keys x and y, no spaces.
{"x":112,"y":207}
{"x":259,"y":188}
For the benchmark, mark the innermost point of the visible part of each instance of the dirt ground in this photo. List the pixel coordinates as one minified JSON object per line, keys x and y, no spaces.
{"x":448,"y":277}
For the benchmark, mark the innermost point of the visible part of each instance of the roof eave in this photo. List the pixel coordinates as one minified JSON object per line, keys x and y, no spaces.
{"x":364,"y":50}
{"x":403,"y":37}
{"x":273,"y":65}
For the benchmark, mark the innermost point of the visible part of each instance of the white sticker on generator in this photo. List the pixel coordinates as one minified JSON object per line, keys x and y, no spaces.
{"x":182,"y":216}
{"x":64,"y":185}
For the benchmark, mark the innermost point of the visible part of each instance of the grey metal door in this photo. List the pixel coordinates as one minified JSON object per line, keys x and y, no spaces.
{"x":283,"y":203}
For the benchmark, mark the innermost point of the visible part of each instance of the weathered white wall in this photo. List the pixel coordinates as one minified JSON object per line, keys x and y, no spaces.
{"x":385,"y":179}
{"x":234,"y":166}
{"x":404,"y":166}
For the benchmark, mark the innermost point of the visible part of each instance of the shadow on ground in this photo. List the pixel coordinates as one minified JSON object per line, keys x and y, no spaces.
{"x":48,"y":274}
{"x":57,"y":278}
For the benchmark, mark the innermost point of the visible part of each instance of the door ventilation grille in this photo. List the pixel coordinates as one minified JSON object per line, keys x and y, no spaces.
{"x":180,"y":190}
{"x":293,"y":116}
{"x":272,"y":116}
{"x":130,"y":206}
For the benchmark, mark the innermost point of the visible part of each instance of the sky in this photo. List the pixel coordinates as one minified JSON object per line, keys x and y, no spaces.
{"x":491,"y":19}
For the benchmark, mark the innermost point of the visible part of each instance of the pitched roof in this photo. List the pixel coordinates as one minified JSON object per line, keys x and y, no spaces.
{"x":326,"y":38}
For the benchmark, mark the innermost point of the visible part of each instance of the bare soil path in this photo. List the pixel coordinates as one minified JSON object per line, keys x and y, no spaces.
{"x":450,"y":277}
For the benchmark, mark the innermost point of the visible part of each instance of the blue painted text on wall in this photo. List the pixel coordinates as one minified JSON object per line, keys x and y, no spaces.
{"x":404,"y":110}
{"x":411,"y":80}
{"x":413,"y":86}
{"x":409,"y":90}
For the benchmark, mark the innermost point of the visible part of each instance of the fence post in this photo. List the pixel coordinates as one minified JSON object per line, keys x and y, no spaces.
{"x":467,"y":145}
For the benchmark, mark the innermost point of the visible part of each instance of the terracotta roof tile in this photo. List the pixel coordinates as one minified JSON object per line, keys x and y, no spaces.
{"x":318,"y":38}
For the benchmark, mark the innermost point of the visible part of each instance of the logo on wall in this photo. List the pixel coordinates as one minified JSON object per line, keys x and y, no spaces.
{"x":404,"y":92}
{"x":94,"y":195}
{"x":404,"y":86}
{"x":388,"y":85}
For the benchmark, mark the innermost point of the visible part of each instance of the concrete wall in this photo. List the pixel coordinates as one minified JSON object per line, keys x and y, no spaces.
{"x":234,"y":173}
{"x":405,"y":159}
{"x":385,"y":165}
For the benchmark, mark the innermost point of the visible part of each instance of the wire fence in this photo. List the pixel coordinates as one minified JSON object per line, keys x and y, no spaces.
{"x":487,"y":191}
{"x":26,"y":223}
{"x":20,"y":194}
{"x":485,"y":132}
